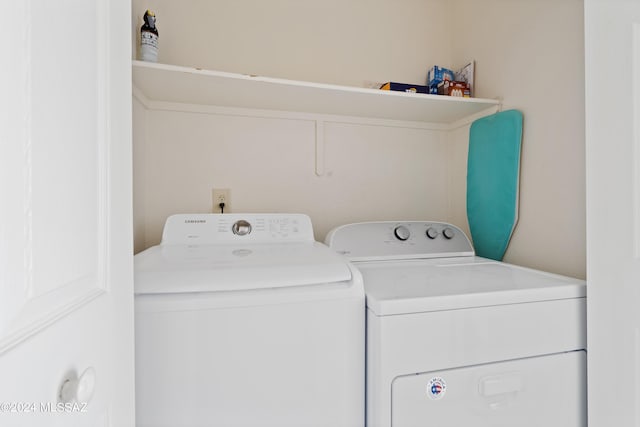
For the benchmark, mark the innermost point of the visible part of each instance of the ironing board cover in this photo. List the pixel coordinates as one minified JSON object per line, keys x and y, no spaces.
{"x":493,"y":171}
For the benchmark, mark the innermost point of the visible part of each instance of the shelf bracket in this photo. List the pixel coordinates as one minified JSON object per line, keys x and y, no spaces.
{"x":319,"y":147}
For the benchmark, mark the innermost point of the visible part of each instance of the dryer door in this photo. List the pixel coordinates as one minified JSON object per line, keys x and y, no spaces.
{"x":539,"y":391}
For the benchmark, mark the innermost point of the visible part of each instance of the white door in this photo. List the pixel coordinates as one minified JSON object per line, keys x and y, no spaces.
{"x":612,"y":64}
{"x":65,"y":212}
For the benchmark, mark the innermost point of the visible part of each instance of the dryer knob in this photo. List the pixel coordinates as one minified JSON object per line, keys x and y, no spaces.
{"x":402,"y":233}
{"x":241,"y":228}
{"x":432,"y":233}
{"x":448,"y":233}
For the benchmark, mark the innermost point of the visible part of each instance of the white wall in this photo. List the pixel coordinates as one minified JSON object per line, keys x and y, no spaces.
{"x":373,"y":172}
{"x":329,"y":41}
{"x":531,"y":53}
{"x":269,"y":165}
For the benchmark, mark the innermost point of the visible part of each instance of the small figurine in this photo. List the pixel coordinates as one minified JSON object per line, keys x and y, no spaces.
{"x":149,"y":38}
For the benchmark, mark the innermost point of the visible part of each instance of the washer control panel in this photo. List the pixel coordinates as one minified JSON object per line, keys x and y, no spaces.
{"x":203,"y":229}
{"x":399,"y":240}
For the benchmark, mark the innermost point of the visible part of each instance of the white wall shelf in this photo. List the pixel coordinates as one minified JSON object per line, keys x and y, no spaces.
{"x":175,"y":84}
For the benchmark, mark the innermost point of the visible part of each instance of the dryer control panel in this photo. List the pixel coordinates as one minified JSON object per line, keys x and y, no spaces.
{"x":399,"y":240}
{"x":206,"y":229}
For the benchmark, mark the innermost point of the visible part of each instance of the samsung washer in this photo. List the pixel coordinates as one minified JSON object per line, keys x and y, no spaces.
{"x":458,"y":340}
{"x":245,"y":320}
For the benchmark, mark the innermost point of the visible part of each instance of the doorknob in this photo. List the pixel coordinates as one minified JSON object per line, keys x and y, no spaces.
{"x":78,"y":390}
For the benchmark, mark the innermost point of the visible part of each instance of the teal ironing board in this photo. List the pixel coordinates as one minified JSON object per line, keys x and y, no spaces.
{"x":493,"y":173}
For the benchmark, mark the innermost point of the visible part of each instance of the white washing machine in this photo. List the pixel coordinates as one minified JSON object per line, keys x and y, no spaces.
{"x":245,"y":320}
{"x":458,"y":340}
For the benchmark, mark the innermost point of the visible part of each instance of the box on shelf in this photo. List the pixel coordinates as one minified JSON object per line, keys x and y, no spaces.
{"x":453,"y":88}
{"x":404,"y":87}
{"x":436,"y":75}
{"x":466,"y":74}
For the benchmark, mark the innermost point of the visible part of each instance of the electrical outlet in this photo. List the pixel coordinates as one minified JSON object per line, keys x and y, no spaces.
{"x":221,"y":195}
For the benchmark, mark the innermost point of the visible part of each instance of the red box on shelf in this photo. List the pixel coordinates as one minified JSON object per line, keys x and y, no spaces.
{"x":453,"y":88}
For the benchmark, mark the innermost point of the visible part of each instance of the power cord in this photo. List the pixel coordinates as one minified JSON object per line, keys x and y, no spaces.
{"x":221,"y":205}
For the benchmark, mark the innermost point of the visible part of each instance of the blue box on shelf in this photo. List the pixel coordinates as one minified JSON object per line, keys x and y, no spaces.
{"x":437,"y":75}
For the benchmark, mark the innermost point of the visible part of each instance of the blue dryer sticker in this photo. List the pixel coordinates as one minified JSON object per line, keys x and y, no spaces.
{"x":436,"y":388}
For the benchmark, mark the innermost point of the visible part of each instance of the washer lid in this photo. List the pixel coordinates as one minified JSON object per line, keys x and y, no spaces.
{"x":167,"y":269}
{"x":415,"y":286}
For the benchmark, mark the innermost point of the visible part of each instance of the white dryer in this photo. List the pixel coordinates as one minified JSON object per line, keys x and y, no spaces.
{"x":458,"y":340}
{"x":245,"y":320}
